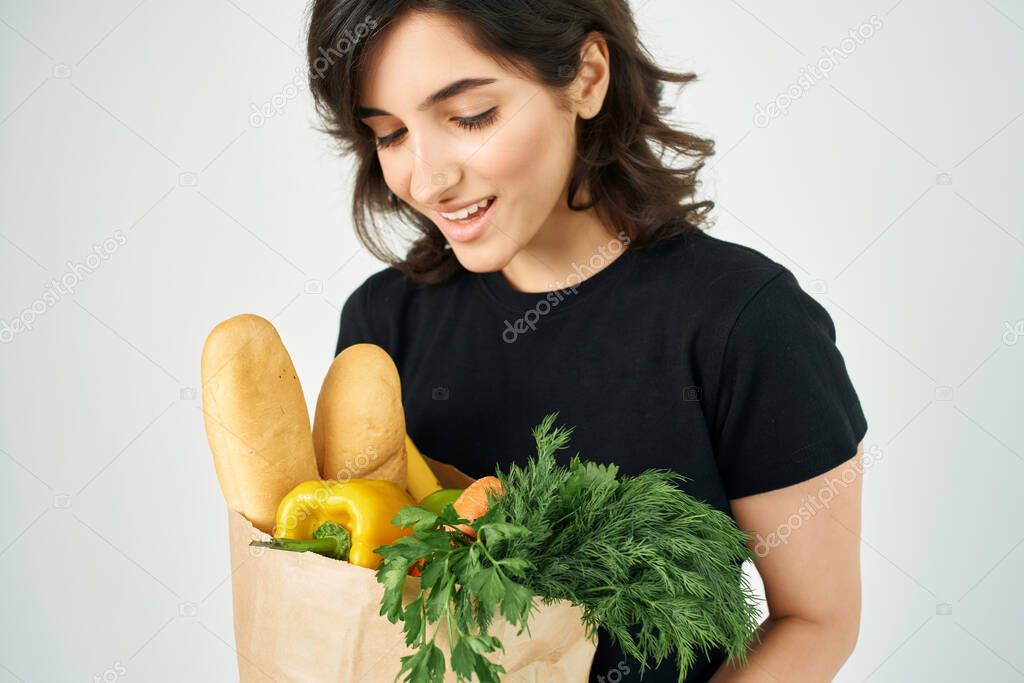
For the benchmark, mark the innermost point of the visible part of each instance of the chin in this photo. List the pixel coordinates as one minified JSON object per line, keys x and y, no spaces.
{"x":481,"y":258}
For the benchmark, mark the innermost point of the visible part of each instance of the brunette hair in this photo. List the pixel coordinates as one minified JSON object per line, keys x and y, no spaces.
{"x":631,"y":188}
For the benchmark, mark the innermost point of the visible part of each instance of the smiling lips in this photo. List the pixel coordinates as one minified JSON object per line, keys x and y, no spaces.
{"x":466,"y":211}
{"x":469,"y":222}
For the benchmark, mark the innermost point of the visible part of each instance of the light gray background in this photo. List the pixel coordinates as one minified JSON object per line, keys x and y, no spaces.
{"x":892,"y":190}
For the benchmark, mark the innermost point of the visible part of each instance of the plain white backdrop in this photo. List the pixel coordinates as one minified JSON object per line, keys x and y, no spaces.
{"x":159,"y":172}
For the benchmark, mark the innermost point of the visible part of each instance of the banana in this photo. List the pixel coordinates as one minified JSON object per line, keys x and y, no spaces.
{"x":421,"y":479}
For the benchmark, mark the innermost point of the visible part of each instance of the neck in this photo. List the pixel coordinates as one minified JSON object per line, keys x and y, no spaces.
{"x":569,"y":248}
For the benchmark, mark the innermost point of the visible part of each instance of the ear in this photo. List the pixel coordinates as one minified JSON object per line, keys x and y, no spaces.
{"x":591,"y":84}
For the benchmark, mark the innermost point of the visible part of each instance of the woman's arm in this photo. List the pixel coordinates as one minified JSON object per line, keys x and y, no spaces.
{"x":806,"y":540}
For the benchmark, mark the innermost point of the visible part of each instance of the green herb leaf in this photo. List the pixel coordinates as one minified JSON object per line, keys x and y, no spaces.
{"x":483,"y":644}
{"x":463,"y":659}
{"x":517,"y":602}
{"x":486,"y":585}
{"x":450,"y":516}
{"x":589,"y":475}
{"x":498,"y":531}
{"x":392,"y":572}
{"x":436,"y":664}
{"x":427,"y":665}
{"x":440,"y":597}
{"x":516,"y":565}
{"x":463,"y":609}
{"x":434,"y":571}
{"x":409,"y":548}
{"x":487,"y":671}
{"x":414,"y":625}
{"x":419,"y":518}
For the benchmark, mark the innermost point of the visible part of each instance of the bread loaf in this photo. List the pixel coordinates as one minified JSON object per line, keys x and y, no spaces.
{"x":256,"y":418}
{"x":359,"y":426}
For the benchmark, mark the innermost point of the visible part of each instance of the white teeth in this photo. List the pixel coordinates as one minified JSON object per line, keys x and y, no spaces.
{"x":462,"y":213}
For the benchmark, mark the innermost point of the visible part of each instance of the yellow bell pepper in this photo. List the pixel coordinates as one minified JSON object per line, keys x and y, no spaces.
{"x":363,"y":507}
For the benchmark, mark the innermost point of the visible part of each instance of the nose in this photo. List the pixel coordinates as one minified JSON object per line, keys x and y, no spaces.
{"x":434,"y":169}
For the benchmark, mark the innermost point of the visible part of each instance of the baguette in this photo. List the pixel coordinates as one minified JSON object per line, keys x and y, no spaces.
{"x":359,"y":425}
{"x":255,"y":416}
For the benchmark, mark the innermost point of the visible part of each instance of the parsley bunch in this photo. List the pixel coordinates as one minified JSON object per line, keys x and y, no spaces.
{"x":659,"y":570}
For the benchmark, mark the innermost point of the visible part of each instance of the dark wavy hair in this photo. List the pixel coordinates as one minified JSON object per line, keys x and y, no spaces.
{"x":619,"y":154}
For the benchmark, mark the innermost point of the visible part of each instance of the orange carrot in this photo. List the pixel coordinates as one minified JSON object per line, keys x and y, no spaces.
{"x":472,"y":502}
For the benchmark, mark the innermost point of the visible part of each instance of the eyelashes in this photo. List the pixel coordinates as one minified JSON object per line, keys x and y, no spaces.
{"x":477,"y":122}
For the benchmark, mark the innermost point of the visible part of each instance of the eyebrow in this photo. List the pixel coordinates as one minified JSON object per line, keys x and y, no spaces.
{"x":449,"y":91}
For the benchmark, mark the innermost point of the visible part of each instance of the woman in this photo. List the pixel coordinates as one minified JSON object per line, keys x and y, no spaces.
{"x":556,"y":263}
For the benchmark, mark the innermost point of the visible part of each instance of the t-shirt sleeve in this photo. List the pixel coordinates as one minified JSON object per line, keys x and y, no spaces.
{"x":787,"y":410}
{"x":355,"y":320}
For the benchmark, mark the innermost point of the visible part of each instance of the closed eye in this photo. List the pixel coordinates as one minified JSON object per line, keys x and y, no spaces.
{"x":469,"y":123}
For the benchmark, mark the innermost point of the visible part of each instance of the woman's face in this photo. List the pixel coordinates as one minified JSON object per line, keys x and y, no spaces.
{"x":493,"y":136}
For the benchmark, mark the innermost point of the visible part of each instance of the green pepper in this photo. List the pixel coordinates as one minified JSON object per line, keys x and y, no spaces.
{"x":437,"y":500}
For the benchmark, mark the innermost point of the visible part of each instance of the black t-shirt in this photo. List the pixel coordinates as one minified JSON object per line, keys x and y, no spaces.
{"x":694,"y":354}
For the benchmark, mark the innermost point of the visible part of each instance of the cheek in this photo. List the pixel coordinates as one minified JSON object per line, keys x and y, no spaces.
{"x":528,"y":151}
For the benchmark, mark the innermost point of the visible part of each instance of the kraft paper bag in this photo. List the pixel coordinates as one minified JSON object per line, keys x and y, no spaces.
{"x":302,"y":617}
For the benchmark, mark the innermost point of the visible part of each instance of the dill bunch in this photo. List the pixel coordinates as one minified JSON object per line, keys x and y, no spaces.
{"x":659,"y":570}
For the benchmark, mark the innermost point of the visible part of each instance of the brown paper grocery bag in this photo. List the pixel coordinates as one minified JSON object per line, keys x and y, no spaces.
{"x":302,"y":617}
